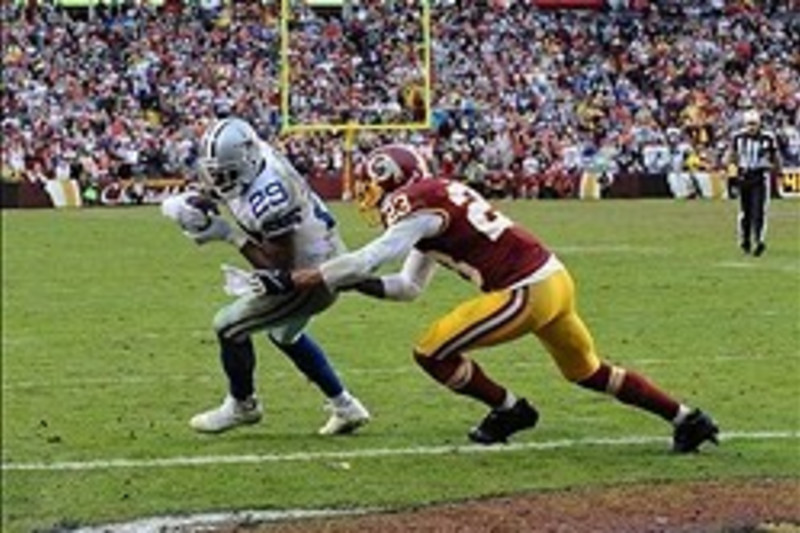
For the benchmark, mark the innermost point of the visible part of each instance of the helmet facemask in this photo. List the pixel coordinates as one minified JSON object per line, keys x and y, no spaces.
{"x":376,"y":177}
{"x":369,"y":195}
{"x":222,"y":181}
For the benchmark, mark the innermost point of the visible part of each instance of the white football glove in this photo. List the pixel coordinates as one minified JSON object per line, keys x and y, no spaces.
{"x":198,"y":225}
{"x":240,"y":282}
{"x":187,"y":216}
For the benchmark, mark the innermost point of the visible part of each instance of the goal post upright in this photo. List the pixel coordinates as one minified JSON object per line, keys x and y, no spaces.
{"x":427,"y":67}
{"x":350,"y":130}
{"x":284,"y":59}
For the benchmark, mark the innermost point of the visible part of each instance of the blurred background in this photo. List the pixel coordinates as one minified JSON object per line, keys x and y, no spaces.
{"x":103,"y":101}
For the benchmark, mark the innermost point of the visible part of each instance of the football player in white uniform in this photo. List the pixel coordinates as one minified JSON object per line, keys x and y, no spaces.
{"x":281,"y":221}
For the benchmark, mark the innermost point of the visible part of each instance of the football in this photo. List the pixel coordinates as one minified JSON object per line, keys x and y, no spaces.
{"x":192,"y":211}
{"x":199,"y":212}
{"x":203,"y":203}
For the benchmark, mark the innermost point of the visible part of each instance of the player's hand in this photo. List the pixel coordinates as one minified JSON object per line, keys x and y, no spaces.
{"x":273,"y":281}
{"x":218,"y":230}
{"x":238,"y":282}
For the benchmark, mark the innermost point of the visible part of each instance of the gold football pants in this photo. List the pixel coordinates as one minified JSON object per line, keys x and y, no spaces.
{"x":545,"y":308}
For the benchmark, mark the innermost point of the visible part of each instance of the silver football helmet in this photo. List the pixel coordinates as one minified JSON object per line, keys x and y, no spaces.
{"x":230,"y":156}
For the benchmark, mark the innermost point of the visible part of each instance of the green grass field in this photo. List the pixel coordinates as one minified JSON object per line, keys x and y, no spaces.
{"x":107,"y":351}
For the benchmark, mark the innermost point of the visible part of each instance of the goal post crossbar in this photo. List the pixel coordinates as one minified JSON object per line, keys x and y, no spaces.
{"x":352,"y":128}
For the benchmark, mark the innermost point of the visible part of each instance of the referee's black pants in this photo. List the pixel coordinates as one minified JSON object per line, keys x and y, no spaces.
{"x":753,"y":201}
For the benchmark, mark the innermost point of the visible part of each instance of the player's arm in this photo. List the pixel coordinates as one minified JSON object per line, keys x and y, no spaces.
{"x":272,"y":253}
{"x":775,"y":158}
{"x":351,"y":268}
{"x":418,"y":270}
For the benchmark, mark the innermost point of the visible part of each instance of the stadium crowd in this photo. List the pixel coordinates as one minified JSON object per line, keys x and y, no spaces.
{"x":124,"y":90}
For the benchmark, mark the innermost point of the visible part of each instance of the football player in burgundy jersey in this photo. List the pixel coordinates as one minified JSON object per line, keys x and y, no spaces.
{"x":525,"y":289}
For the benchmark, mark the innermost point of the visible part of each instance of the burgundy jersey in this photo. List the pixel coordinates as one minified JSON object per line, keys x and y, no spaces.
{"x":477,"y":241}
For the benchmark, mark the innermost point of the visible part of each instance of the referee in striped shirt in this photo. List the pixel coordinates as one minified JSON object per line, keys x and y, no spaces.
{"x":754,"y":154}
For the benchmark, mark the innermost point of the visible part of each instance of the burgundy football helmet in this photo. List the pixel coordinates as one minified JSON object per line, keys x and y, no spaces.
{"x":385,"y":170}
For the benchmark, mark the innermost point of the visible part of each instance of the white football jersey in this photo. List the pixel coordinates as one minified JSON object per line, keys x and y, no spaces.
{"x":678,"y":156}
{"x":279,"y":202}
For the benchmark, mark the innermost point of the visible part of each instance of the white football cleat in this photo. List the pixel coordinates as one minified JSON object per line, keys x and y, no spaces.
{"x":230,"y":414}
{"x":345,"y":419}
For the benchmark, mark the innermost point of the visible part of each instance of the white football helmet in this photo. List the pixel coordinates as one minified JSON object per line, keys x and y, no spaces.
{"x":230,"y":156}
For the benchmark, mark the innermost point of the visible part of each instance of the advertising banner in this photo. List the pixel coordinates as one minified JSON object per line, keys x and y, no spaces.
{"x":64,"y":193}
{"x":789,"y":183}
{"x":697,"y":185}
{"x":133,"y":192}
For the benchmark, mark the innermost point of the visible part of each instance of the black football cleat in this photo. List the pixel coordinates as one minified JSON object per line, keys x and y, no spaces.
{"x":694,"y":431}
{"x":760,"y":249}
{"x":745,"y":246}
{"x":498,"y":425}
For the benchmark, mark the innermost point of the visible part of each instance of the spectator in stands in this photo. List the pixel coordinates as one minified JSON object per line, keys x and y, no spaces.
{"x":507,"y":80}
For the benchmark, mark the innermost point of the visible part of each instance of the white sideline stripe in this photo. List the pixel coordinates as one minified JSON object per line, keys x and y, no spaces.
{"x":210,"y":521}
{"x":745,"y":265}
{"x":204,"y":460}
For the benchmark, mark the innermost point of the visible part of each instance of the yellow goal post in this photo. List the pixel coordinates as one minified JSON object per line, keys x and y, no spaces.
{"x":352,"y":128}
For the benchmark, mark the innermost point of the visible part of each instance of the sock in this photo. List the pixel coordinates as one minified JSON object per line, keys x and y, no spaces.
{"x":632,"y":388}
{"x":342,"y":400}
{"x":509,"y":402}
{"x":309,"y":358}
{"x":683,"y":412}
{"x":464,"y":376}
{"x":239,"y":362}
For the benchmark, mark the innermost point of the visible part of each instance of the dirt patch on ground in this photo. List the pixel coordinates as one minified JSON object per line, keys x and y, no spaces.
{"x":746,"y":506}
